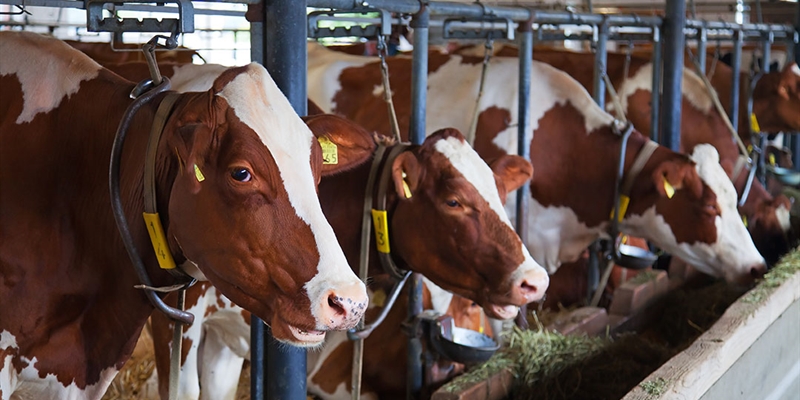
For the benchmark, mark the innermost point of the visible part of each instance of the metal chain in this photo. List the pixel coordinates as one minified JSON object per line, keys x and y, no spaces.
{"x":487,"y":56}
{"x":387,"y":89}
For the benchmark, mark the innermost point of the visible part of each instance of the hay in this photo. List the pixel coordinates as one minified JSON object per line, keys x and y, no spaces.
{"x":655,"y":387}
{"x":131,"y":383}
{"x":787,"y":267}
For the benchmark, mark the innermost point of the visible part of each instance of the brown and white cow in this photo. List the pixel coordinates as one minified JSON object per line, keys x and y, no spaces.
{"x":466,"y":244}
{"x":236,"y":174}
{"x":572,"y":149}
{"x":768,"y":217}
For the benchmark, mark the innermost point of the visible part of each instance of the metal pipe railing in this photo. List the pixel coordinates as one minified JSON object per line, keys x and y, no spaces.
{"x":736,"y":67}
{"x":600,"y":58}
{"x":674,"y":40}
{"x":525,"y":38}
{"x":655,"y":92}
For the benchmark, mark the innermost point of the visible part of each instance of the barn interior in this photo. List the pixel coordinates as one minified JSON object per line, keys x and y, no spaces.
{"x":626,"y":316}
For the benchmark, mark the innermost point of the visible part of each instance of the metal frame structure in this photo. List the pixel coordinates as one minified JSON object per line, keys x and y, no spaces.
{"x":278,"y":33}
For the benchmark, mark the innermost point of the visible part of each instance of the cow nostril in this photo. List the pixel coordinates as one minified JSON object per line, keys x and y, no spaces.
{"x":757,"y":272}
{"x":527,"y":288}
{"x":334,"y":302}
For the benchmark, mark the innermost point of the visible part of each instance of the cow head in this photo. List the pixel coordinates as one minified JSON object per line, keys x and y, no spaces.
{"x":700,"y":223}
{"x":768,"y":221}
{"x":453,"y":228}
{"x":244,"y":208}
{"x":776,"y":100}
{"x":789,"y":91}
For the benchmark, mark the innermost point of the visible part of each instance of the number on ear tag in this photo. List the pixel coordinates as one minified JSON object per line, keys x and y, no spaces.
{"x":381,"y":230}
{"x":330,"y":153}
{"x":159,"y":240}
{"x":668,"y":187}
{"x":198,"y":174}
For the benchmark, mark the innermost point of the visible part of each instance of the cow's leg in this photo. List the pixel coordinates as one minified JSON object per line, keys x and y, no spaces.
{"x":8,"y":374}
{"x":221,"y":367}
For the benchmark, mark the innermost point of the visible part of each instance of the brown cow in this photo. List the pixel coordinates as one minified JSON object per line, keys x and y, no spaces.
{"x":70,"y":314}
{"x":768,"y":217}
{"x":106,"y":53}
{"x":570,"y":147}
{"x":468,"y":247}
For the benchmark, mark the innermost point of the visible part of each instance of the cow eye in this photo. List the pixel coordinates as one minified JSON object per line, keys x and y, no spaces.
{"x":452,"y":203}
{"x":241,"y":174}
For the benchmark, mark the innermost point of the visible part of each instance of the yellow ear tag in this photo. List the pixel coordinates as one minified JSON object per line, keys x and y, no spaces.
{"x":406,"y":189}
{"x":330,"y":153}
{"x":381,"y":224}
{"x":668,"y":188}
{"x":744,"y":220}
{"x":378,"y":298}
{"x":623,"y":207}
{"x":159,"y":240}
{"x":754,"y":123}
{"x":772,"y":159}
{"x":198,"y":174}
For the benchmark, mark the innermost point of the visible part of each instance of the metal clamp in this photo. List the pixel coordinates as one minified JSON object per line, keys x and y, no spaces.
{"x":371,"y":30}
{"x":96,"y":23}
{"x":460,"y":28}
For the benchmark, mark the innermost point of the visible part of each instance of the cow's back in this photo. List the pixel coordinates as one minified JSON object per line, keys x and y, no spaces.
{"x":57,"y":120}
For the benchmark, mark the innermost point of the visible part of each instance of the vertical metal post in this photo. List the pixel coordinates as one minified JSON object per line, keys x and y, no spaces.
{"x":600,"y":57}
{"x":255,"y":14}
{"x":286,"y":60}
{"x":419,"y":88}
{"x":766,"y":50}
{"x":525,"y":35}
{"x":736,"y":66}
{"x":797,"y":40}
{"x":702,"y":41}
{"x":795,"y":146}
{"x":655,"y":95}
{"x":674,"y":40}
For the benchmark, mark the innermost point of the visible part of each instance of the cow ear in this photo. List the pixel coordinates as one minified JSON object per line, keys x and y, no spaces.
{"x":345,"y":145}
{"x":676,"y":174}
{"x":406,"y":175}
{"x":185,"y":146}
{"x":513,"y":171}
{"x":790,"y":82}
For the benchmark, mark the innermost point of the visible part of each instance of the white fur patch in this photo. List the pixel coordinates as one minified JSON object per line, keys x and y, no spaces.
{"x":692,"y":88}
{"x":555,"y":234}
{"x":48,"y":69}
{"x":440,"y":298}
{"x":31,"y":386}
{"x":796,"y":69}
{"x":324,"y":69}
{"x":783,"y":216}
{"x":289,"y":140}
{"x":474,"y":169}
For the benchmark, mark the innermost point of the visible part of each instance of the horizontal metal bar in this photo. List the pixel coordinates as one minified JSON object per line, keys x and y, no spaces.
{"x":174,"y":10}
{"x":765,"y":28}
{"x":80,"y":4}
{"x":474,"y":10}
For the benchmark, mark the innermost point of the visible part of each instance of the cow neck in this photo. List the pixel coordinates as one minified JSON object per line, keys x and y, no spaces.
{"x":623,"y":186}
{"x":379,"y":205}
{"x":152,"y":218}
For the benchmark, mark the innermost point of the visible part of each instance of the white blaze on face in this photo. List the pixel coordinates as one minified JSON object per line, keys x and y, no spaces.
{"x":259,"y":104}
{"x":466,"y":161}
{"x":784,"y":217}
{"x":195,"y":77}
{"x":796,"y":69}
{"x":48,"y":69}
{"x":733,"y":254}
